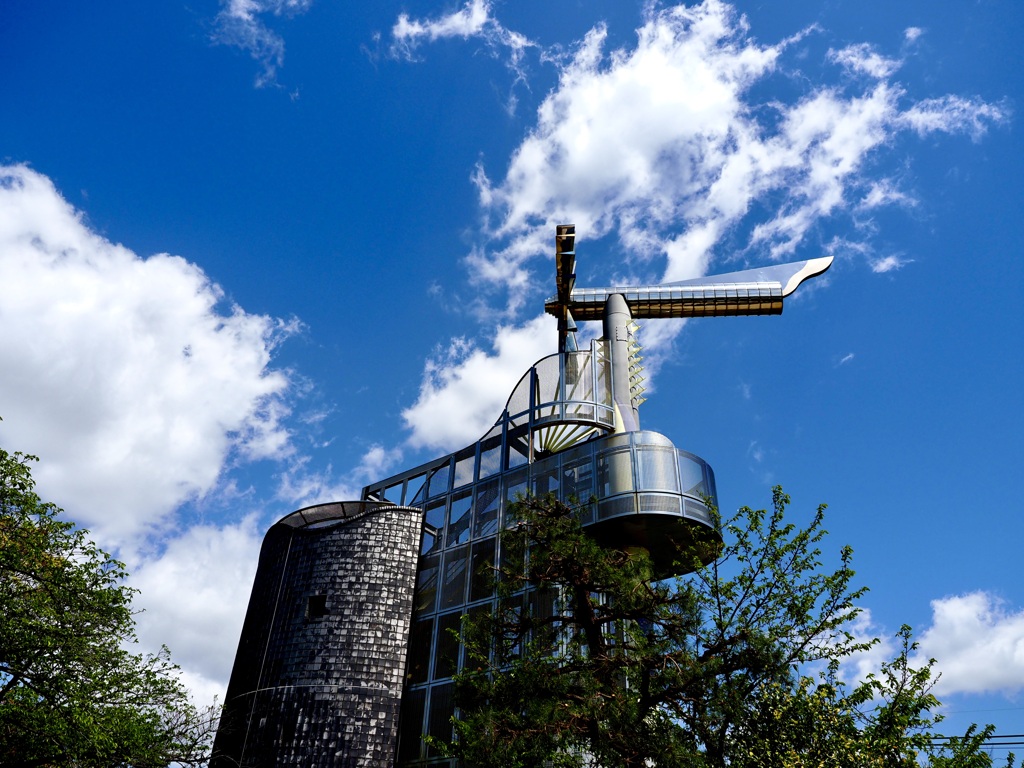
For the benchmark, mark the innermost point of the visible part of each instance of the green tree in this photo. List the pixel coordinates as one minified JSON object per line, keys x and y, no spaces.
{"x":72,"y":692}
{"x":590,"y":661}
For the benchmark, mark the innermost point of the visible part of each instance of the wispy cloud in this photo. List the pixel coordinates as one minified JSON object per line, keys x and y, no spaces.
{"x":889,"y":263}
{"x":473,"y":20}
{"x":864,"y":59}
{"x":244,"y":24}
{"x":912,"y":34}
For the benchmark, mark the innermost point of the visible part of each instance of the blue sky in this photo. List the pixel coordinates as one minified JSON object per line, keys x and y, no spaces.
{"x":255,"y":254}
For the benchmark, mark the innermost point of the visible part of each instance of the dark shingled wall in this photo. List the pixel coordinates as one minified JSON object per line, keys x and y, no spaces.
{"x":319,"y":682}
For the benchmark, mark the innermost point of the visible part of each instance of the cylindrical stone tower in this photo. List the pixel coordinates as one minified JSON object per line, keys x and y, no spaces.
{"x":317,"y":680}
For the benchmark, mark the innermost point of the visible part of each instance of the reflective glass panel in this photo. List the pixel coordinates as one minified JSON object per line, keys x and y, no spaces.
{"x":459,"y":517}
{"x":420,"y":635}
{"x":410,"y":738}
{"x":614,"y":473}
{"x":485,"y":515}
{"x":453,"y":588}
{"x":439,"y":722}
{"x":426,"y":583}
{"x":464,"y":461}
{"x":490,"y":457}
{"x":481,"y":584}
{"x":657,"y":470}
{"x":545,"y":477}
{"x":446,"y":650}
{"x":439,"y":480}
{"x":516,"y":487}
{"x":434,"y":516}
{"x":428,"y":543}
{"x":579,"y":379}
{"x":414,"y":490}
{"x":518,"y":447}
{"x":691,"y":476}
{"x":578,"y":477}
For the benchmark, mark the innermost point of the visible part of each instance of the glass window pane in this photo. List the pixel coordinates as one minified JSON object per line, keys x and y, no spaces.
{"x":428,"y":543}
{"x":510,"y":611}
{"x":490,"y":457}
{"x":614,"y":473}
{"x":657,"y":470}
{"x":459,"y":517}
{"x":426,"y":583}
{"x":545,"y":477}
{"x":439,"y":480}
{"x":485,"y":521}
{"x":579,"y":379}
{"x":439,"y":722}
{"x":709,"y":479}
{"x":414,"y":490}
{"x":516,"y":488}
{"x":518,"y":448}
{"x":482,"y":576}
{"x":691,"y":476}
{"x":446,"y":650}
{"x":453,"y":588}
{"x":434,"y":515}
{"x":464,"y":461}
{"x":603,"y":381}
{"x":578,"y":478}
{"x":420,"y":635}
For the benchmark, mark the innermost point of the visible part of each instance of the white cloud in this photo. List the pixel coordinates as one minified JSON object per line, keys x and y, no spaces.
{"x":912,"y":34}
{"x":473,"y":20}
{"x":469,"y":21}
{"x":127,"y":376}
{"x":755,"y":451}
{"x":884,"y":192}
{"x":856,"y":668}
{"x":952,"y":113}
{"x":241,"y":23}
{"x":474,"y":384}
{"x":194,"y":597}
{"x":888,"y":263}
{"x":977,"y":641}
{"x":863,"y":59}
{"x":302,"y":487}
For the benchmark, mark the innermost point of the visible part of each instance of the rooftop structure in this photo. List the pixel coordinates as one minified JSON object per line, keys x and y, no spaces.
{"x":347,"y":654}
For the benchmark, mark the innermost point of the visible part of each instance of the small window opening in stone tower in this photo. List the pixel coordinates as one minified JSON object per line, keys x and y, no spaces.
{"x":316,"y":606}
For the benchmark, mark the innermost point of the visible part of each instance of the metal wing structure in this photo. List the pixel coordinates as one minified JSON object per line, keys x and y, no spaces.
{"x":759,"y":291}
